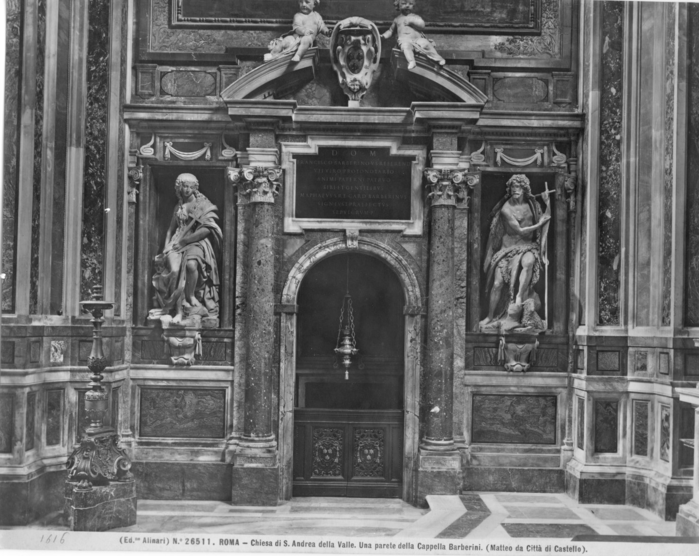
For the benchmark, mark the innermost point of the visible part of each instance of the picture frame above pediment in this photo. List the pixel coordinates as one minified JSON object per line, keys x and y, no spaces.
{"x":488,"y":17}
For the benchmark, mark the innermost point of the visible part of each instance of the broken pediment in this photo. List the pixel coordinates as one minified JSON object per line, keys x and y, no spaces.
{"x":431,"y":82}
{"x":275,"y":79}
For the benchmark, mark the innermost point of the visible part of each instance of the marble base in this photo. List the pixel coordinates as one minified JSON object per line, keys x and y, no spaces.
{"x":438,"y":473}
{"x":513,"y":479}
{"x":32,"y":498}
{"x":663,"y":499}
{"x":688,"y":520}
{"x":182,"y":480}
{"x":101,"y":508}
{"x":255,"y":486}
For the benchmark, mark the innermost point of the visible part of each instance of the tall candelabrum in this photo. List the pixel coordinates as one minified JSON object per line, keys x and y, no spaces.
{"x":98,"y":459}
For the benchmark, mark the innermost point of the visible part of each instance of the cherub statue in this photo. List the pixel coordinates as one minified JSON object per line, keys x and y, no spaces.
{"x":409,"y":28}
{"x":307,"y":25}
{"x":515,"y":257}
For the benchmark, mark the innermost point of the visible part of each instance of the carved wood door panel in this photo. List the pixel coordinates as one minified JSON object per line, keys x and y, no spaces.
{"x":356,"y":453}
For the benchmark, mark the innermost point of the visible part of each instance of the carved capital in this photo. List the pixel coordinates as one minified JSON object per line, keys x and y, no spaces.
{"x":449,"y":186}
{"x":256,"y":184}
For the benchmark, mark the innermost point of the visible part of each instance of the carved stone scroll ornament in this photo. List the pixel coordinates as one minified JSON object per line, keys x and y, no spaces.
{"x":517,"y":357}
{"x":257,"y":184}
{"x":355,"y":51}
{"x":447,"y":186}
{"x":183,"y":349}
{"x":135,"y":179}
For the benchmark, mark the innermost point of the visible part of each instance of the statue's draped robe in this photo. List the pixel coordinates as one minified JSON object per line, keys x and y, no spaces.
{"x":199,"y":213}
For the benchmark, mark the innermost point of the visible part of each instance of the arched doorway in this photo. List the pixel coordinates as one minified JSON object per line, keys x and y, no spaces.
{"x":400,"y":342}
{"x":348,"y":424}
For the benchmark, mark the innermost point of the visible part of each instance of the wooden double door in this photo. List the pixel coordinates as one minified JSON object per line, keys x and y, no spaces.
{"x":348,"y":452}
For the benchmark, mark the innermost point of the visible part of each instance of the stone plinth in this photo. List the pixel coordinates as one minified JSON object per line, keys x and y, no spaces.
{"x":439,"y":473}
{"x":255,"y":476}
{"x":688,"y":515}
{"x":102,"y":507}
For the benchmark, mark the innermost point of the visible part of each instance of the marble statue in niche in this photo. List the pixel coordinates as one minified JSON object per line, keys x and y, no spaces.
{"x":515,"y":259}
{"x":306,"y":26}
{"x":186,"y":279}
{"x":408,"y":27}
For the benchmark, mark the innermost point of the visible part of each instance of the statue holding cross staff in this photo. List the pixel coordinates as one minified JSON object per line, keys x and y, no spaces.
{"x":515,"y":256}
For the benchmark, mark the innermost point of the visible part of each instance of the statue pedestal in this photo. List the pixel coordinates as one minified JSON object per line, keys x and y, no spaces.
{"x":100,"y":508}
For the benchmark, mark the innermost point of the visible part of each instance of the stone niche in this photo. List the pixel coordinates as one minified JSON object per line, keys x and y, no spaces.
{"x":154,"y":343}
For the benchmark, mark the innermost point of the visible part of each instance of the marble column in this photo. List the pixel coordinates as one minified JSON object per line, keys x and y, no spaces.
{"x":255,"y":465}
{"x":440,"y":463}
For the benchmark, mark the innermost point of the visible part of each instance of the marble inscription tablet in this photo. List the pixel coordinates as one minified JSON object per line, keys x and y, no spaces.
{"x":182,"y":413}
{"x":342,"y":183}
{"x":514,"y":419}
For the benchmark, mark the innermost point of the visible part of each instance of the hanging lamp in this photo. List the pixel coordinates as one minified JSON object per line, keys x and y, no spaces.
{"x":346,"y":340}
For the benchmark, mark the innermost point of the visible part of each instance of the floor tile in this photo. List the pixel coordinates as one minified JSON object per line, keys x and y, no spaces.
{"x":540,"y":512}
{"x":550,"y":530}
{"x":616,"y":513}
{"x":515,"y":498}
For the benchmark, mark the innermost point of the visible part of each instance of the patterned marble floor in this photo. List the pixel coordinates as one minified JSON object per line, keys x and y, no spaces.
{"x":472,"y":515}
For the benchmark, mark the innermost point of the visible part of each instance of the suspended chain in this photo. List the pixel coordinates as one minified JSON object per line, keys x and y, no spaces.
{"x":350,"y":313}
{"x":339,"y":330}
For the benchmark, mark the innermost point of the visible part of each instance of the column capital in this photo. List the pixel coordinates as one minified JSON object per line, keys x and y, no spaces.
{"x":257,"y":184}
{"x":447,"y":186}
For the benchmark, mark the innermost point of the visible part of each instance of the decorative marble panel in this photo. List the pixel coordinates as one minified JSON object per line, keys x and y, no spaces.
{"x":13,"y":72}
{"x":83,"y":421}
{"x":514,"y":419}
{"x":668,"y":160}
{"x":7,"y":352}
{"x":520,"y":90}
{"x":327,"y":452}
{"x":30,"y":421}
{"x":665,"y":432}
{"x":608,"y":361}
{"x":188,"y":84}
{"x":96,"y":129}
{"x":116,"y":399}
{"x":54,"y":417}
{"x":38,"y":154}
{"x":641,"y":362}
{"x":182,"y":413}
{"x":611,"y":108}
{"x":580,"y":440}
{"x":692,"y":205}
{"x":664,"y":364}
{"x":640,"y":427}
{"x":485,"y":356}
{"x":7,"y":425}
{"x":606,"y":426}
{"x":34,"y":352}
{"x":369,"y":453}
{"x":58,"y":349}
